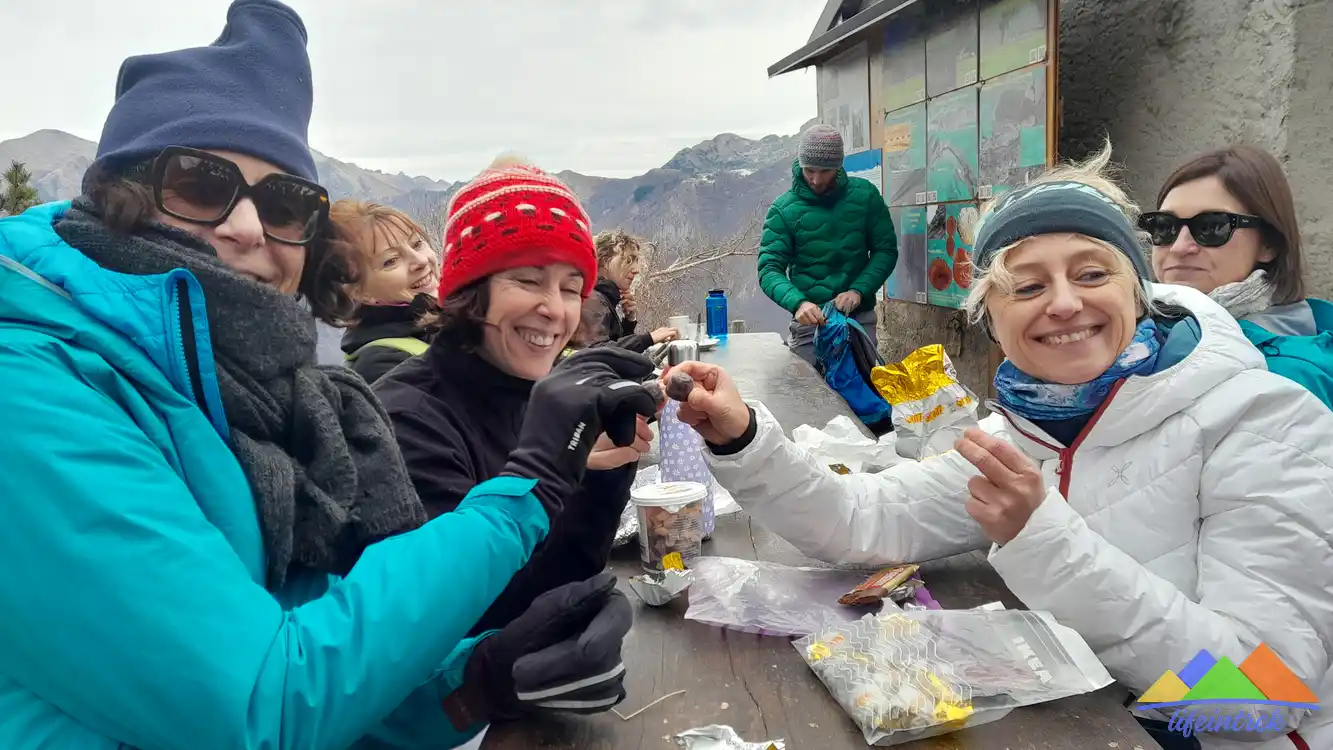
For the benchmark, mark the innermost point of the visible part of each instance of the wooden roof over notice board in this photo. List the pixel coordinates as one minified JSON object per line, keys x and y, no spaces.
{"x":841,"y":24}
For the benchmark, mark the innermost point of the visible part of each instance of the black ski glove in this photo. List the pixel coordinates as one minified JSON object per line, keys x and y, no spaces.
{"x":592,"y":391}
{"x":561,"y":655}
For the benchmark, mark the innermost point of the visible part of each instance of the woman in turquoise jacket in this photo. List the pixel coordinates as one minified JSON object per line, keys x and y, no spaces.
{"x":1226,"y":225}
{"x":209,"y":541}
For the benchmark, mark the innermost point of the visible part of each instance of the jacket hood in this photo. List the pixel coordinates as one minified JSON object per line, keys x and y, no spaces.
{"x":51,"y":286}
{"x":376,"y":322}
{"x":802,"y":190}
{"x":1304,"y":318}
{"x":1143,"y":402}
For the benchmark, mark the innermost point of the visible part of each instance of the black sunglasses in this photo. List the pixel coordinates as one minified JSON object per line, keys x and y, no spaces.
{"x":1209,"y":229}
{"x":204,"y":188}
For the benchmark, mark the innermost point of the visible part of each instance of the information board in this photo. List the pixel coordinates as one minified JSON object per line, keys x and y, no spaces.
{"x":905,"y":150}
{"x":844,"y":93}
{"x":1013,"y":35}
{"x":908,"y":280}
{"x":951,"y":46}
{"x":949,"y":252}
{"x":963,"y":99}
{"x":903,"y":64}
{"x":951,"y":135}
{"x":1013,"y":131}
{"x":867,"y":165}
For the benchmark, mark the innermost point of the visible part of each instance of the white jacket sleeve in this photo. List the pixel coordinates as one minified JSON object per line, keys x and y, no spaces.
{"x":910,"y":512}
{"x":1265,"y":563}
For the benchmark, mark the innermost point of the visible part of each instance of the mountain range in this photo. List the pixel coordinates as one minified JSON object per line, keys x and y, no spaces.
{"x":708,"y":191}
{"x":711,"y":189}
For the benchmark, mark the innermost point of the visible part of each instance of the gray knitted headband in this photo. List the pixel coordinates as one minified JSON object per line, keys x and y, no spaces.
{"x":1053,"y":208}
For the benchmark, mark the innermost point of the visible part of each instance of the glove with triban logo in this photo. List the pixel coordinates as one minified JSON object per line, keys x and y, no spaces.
{"x":592,"y":391}
{"x":562,"y":655}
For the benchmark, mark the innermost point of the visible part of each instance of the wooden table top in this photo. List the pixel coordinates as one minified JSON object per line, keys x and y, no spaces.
{"x":760,"y":685}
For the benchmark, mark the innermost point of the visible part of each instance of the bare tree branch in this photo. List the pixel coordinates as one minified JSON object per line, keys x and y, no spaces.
{"x":679,"y":269}
{"x":743,"y":243}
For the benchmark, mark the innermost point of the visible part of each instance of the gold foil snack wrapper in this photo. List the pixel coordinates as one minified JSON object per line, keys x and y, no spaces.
{"x":931,"y":409}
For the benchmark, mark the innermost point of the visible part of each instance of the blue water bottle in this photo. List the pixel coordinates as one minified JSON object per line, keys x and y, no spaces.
{"x":716,"y":309}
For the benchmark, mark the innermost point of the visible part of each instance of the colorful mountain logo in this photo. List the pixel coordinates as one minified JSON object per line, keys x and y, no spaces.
{"x":1262,"y":679}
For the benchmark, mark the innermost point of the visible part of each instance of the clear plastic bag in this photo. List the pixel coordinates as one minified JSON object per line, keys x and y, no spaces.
{"x":842,"y":445}
{"x":907,"y":676}
{"x":771,"y":599}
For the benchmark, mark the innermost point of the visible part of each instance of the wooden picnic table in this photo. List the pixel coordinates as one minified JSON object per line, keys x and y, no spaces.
{"x":760,"y":685}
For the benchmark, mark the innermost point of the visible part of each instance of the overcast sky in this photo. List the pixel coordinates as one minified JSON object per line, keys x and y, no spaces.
{"x":610,"y":87}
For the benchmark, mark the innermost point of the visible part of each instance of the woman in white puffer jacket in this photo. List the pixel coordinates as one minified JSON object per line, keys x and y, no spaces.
{"x":1143,"y":477}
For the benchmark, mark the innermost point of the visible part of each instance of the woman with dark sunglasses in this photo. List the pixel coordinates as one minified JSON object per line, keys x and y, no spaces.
{"x":209,"y":540}
{"x":1226,"y":225}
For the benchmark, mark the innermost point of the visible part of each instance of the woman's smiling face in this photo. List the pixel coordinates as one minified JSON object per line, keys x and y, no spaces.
{"x":1072,"y":310}
{"x":533,"y":313}
{"x":398,"y":268}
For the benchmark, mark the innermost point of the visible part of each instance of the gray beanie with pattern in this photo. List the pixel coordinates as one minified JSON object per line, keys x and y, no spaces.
{"x":821,"y":148}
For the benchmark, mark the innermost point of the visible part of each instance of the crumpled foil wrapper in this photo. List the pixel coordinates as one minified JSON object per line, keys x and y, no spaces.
{"x":659,"y":587}
{"x":628,"y":529}
{"x":722,"y":738}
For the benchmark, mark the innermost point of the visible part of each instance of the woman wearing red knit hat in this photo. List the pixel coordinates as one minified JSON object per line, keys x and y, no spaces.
{"x":217,"y":542}
{"x":519,"y":263}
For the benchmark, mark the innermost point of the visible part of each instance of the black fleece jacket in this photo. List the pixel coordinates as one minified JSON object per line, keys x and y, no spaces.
{"x":456,"y":418}
{"x":376,"y":322}
{"x":606,"y":295}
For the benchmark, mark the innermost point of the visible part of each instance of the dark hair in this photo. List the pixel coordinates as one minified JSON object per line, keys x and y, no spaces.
{"x":462,"y":316}
{"x":328,"y":275}
{"x":1256,"y":179}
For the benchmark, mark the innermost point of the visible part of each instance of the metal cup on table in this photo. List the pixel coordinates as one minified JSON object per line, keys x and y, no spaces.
{"x":683,"y":350}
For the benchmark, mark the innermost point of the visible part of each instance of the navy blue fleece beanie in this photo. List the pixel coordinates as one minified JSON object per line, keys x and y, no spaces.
{"x":1052,"y":208}
{"x":248,"y":92}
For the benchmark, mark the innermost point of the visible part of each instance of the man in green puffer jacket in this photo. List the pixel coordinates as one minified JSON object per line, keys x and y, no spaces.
{"x":828,"y":238}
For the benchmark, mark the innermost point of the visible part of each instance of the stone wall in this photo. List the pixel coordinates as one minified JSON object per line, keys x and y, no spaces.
{"x":1310,"y":139}
{"x":1166,"y":79}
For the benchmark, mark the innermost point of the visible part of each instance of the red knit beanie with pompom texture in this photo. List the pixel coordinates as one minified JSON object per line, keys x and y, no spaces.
{"x":510,"y":216}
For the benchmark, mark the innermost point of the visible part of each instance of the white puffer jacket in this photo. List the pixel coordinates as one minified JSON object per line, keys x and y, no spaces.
{"x":1194,"y":512}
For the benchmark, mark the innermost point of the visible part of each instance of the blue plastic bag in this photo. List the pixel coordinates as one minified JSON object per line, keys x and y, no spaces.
{"x":837,"y":345}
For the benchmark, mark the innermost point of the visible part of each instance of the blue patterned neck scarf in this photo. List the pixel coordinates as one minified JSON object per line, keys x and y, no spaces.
{"x":1039,"y":401}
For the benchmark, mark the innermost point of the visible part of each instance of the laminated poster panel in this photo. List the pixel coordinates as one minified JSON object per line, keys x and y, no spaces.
{"x":949,"y":252}
{"x":1013,"y":35}
{"x":1013,"y":131}
{"x":951,"y":46}
{"x":952,"y":159}
{"x":908,"y":280}
{"x":867,"y":165}
{"x":844,"y":91}
{"x":905,"y":151}
{"x":903,"y":62}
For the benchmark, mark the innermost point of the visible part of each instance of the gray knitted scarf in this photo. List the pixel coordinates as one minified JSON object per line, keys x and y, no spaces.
{"x":1249,"y":296}
{"x":315,"y":444}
